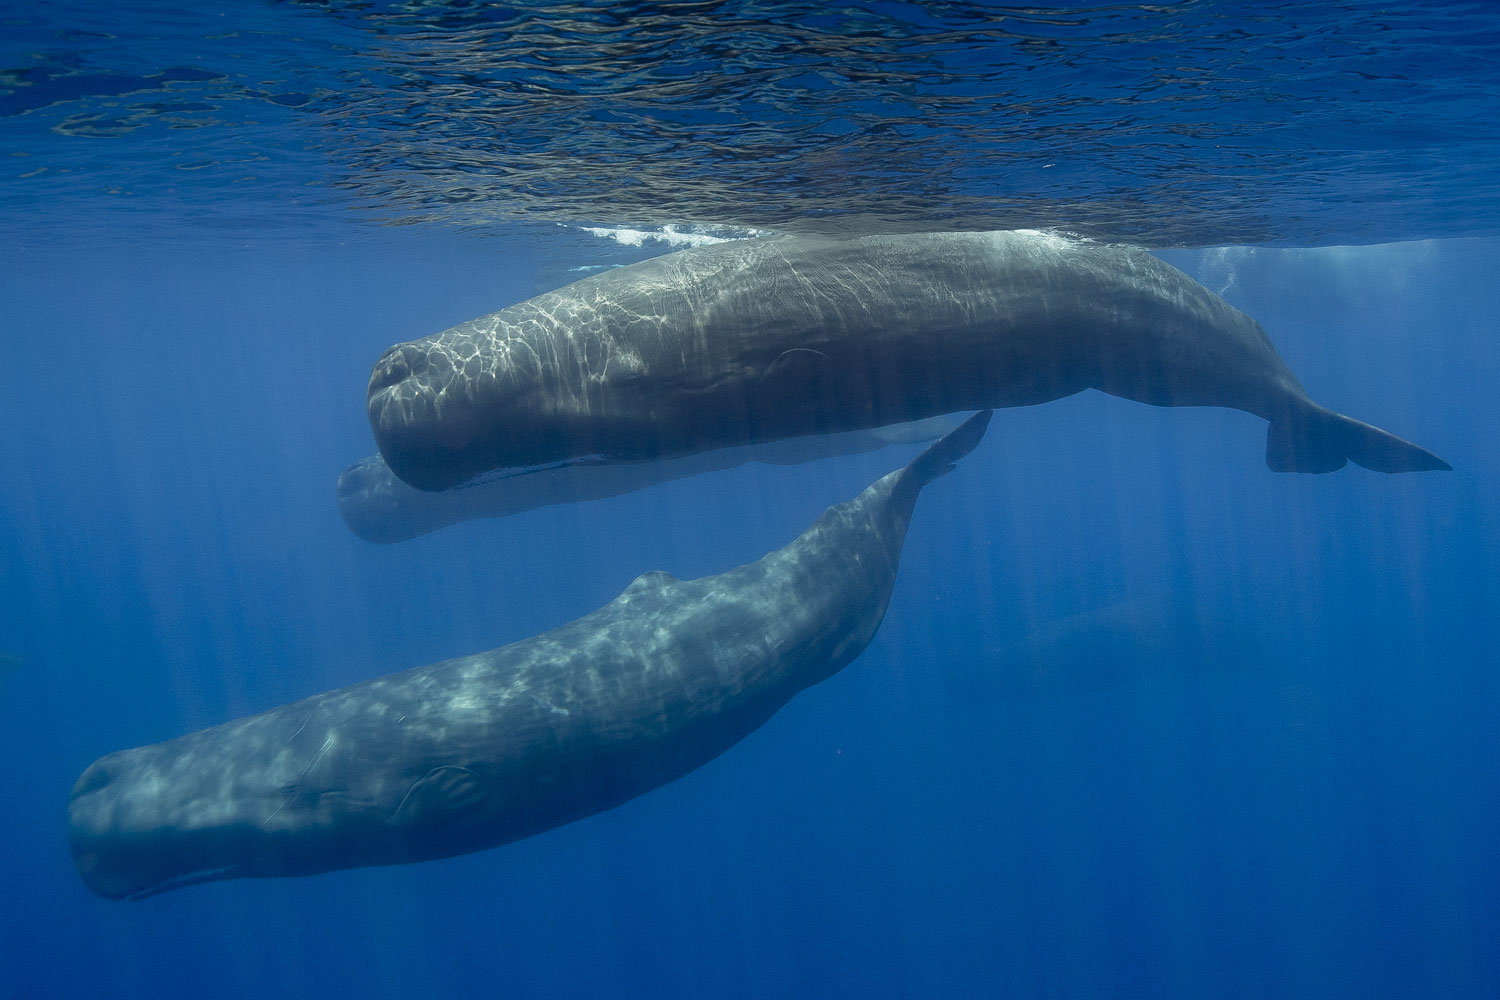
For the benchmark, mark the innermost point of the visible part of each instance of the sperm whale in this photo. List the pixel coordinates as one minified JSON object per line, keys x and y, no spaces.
{"x":757,"y":340}
{"x":478,"y":751}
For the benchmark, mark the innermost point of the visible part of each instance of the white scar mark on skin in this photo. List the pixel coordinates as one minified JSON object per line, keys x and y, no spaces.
{"x":322,"y":751}
{"x":791,"y":350}
{"x":291,"y":793}
{"x":542,"y":703}
{"x":804,"y":350}
{"x":289,"y":796}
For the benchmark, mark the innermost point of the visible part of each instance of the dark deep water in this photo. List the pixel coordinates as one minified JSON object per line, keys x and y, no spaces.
{"x":1144,"y":718}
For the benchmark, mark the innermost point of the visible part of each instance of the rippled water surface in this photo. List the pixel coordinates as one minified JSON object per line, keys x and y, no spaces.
{"x":1176,"y":123}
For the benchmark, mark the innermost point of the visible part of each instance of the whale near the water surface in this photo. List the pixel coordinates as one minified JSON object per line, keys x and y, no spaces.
{"x":756,"y":340}
{"x":478,"y":751}
{"x":378,"y":507}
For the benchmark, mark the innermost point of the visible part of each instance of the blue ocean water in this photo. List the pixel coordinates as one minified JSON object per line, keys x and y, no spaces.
{"x":1144,"y":718}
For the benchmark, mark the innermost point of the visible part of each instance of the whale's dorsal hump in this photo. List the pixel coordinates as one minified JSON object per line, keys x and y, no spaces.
{"x":648,"y":583}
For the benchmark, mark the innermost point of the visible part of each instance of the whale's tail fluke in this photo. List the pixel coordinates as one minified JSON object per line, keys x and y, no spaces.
{"x":1309,"y":438}
{"x":938,"y":460}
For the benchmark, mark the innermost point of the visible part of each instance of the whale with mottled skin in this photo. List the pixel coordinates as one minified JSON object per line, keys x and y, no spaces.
{"x":756,"y":340}
{"x":379,"y":507}
{"x":474,"y":752}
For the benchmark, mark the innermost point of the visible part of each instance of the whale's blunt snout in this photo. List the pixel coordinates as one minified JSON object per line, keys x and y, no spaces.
{"x":90,"y":818}
{"x":359,"y":480}
{"x":95,"y":778}
{"x":127,"y":835}
{"x":424,"y":418}
{"x":395,"y":366}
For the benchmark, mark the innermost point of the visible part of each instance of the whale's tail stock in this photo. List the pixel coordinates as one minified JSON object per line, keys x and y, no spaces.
{"x":1306,"y":437}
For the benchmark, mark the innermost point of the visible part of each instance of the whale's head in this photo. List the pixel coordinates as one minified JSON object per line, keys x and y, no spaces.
{"x":238,"y":800}
{"x":377,"y":506}
{"x":446,"y":408}
{"x":426,"y":416}
{"x":136,"y":829}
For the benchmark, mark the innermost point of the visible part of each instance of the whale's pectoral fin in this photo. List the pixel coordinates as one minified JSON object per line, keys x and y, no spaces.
{"x":1308,"y":438}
